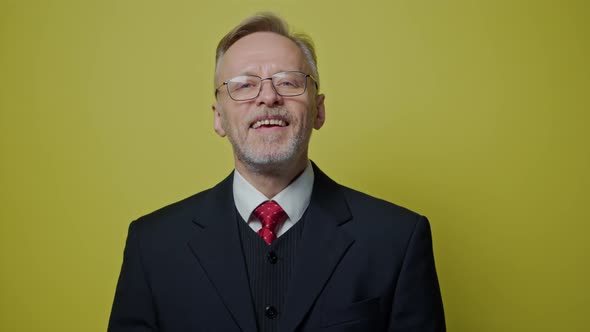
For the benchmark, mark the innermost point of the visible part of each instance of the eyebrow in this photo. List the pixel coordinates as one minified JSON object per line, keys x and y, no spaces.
{"x":251,"y":73}
{"x":248,"y":73}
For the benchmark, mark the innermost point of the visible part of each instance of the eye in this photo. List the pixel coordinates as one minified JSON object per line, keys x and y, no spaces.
{"x":290,"y":83}
{"x":243,"y":83}
{"x":286,"y":83}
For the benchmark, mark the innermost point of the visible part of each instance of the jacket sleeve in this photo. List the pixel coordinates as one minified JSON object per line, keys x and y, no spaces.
{"x":417,"y":304}
{"x":133,"y":308}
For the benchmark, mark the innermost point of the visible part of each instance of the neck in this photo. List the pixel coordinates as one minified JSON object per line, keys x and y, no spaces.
{"x":271,"y":180}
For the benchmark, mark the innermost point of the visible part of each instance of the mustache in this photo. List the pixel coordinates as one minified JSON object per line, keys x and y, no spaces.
{"x":278,"y":112}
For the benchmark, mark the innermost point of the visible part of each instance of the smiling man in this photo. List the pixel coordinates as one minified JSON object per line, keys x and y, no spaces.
{"x":267,"y":120}
{"x":277,"y":245}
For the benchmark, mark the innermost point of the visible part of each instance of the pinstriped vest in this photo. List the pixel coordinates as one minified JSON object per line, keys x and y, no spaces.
{"x":269,"y":271}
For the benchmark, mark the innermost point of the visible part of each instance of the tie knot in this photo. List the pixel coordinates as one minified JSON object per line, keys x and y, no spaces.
{"x":270,"y":215}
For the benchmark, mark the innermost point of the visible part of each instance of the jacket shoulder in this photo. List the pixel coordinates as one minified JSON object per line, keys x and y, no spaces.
{"x":359,"y":202}
{"x":186,"y":209}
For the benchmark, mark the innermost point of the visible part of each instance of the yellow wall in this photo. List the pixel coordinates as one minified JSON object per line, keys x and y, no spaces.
{"x":474,"y":113}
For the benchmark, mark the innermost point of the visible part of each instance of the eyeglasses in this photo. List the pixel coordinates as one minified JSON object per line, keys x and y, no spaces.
{"x":286,"y":84}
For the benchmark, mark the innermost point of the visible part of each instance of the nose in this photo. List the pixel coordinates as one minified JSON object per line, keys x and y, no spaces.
{"x":268,"y":95}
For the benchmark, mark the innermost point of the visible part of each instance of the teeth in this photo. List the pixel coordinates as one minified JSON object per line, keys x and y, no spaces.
{"x":267,"y":122}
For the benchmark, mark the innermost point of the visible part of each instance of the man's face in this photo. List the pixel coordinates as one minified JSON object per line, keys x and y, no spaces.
{"x":284,"y":140}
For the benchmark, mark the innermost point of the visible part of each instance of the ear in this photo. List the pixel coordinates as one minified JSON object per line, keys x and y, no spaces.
{"x":320,"y":116}
{"x":217,"y":120}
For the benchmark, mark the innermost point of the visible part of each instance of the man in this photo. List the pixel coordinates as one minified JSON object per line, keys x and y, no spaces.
{"x":277,"y":245}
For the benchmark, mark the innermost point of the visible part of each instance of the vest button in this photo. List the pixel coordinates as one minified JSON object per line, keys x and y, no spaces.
{"x":271,"y":312}
{"x":272,"y":257}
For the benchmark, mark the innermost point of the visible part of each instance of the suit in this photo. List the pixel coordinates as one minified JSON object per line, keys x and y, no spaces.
{"x":363,"y":265}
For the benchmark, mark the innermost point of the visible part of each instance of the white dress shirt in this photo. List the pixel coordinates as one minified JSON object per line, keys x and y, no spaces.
{"x":294,"y":199}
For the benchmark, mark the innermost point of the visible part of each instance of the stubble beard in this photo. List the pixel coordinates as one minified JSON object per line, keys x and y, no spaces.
{"x":269,"y":154}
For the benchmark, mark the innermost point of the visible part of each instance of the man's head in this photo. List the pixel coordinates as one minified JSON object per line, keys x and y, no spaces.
{"x":268,"y":121}
{"x":268,"y":22}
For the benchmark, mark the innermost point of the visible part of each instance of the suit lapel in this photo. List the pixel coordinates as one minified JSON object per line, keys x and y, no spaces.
{"x":216,"y":244}
{"x":323,"y":244}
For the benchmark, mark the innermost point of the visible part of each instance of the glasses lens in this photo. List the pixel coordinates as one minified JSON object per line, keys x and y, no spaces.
{"x":289,"y":83}
{"x":243,"y":87}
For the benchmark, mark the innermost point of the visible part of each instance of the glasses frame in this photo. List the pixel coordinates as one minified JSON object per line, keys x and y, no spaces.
{"x":226,"y":83}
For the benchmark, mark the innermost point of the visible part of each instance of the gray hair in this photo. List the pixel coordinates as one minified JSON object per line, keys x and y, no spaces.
{"x":269,"y":22}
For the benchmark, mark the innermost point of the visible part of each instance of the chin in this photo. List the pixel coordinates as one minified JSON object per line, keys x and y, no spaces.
{"x":269,"y":161}
{"x":275,"y":159}
{"x":270,"y":156}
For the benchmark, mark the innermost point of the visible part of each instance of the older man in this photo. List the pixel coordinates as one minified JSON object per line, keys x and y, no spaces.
{"x":277,"y":245}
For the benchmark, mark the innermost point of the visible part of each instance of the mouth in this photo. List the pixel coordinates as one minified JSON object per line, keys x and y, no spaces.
{"x":269,"y":123}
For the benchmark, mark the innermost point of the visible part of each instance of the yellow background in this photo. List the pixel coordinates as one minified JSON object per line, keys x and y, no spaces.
{"x":474,"y":113}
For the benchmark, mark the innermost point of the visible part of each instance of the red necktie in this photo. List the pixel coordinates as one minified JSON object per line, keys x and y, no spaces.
{"x":270,"y":215}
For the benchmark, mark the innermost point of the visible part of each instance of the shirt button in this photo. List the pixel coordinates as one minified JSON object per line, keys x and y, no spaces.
{"x":271,"y":312}
{"x":272,"y":257}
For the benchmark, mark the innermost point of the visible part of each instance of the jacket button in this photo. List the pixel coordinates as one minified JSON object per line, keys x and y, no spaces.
{"x":271,"y":312}
{"x":272,"y":257}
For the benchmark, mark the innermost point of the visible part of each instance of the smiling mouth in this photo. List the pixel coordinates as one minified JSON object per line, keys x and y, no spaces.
{"x":268,"y":123}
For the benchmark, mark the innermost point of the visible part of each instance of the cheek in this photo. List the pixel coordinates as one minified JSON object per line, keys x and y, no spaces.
{"x":310,"y":117}
{"x":305,"y":111}
{"x":235,"y":124}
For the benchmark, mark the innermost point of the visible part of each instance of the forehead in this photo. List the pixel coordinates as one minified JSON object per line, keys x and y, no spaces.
{"x":263,"y":54}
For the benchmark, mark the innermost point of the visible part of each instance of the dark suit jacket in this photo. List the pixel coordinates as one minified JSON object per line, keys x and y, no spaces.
{"x":363,"y":265}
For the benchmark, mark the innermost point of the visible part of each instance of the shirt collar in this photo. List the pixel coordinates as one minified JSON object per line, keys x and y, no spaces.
{"x":294,"y":199}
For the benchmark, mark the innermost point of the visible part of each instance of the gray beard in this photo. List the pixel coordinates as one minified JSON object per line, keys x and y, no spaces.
{"x":269,"y":158}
